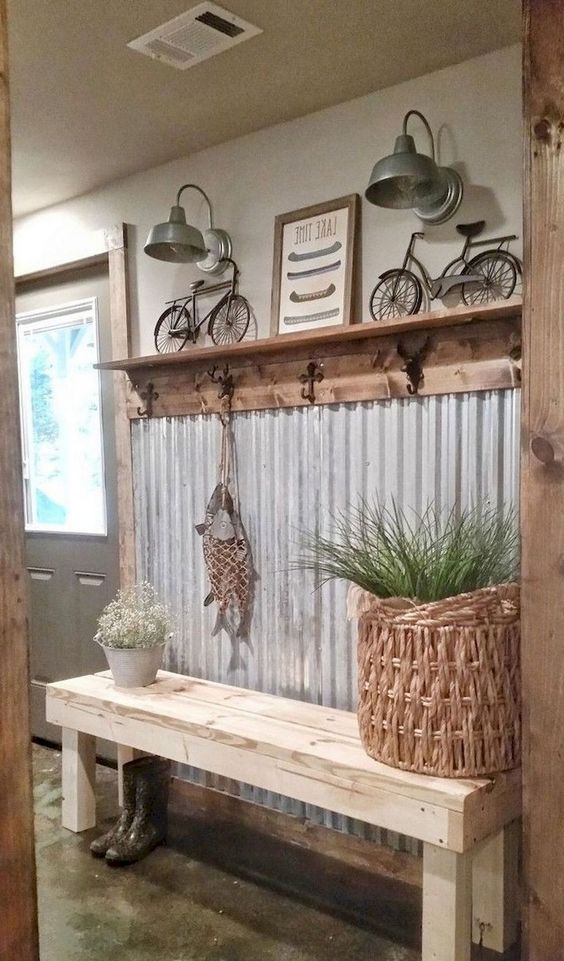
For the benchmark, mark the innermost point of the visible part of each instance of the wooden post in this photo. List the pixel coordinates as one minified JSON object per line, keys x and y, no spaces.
{"x":542,"y":482}
{"x":18,"y":909}
{"x":116,"y":240}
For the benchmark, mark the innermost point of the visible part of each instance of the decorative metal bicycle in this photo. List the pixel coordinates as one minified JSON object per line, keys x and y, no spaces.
{"x":490,"y":275}
{"x":228,"y":319}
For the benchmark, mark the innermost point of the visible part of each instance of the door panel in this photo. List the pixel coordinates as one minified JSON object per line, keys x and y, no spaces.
{"x":72,"y":576}
{"x":92,"y":591}
{"x":43,"y":613}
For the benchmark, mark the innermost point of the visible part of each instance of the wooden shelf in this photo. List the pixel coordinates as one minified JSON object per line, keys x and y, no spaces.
{"x":464,"y":349}
{"x":317,"y":341}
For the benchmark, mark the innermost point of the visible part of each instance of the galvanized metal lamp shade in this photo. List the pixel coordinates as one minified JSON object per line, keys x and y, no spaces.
{"x":408,"y":179}
{"x":178,"y":242}
{"x":405,"y":178}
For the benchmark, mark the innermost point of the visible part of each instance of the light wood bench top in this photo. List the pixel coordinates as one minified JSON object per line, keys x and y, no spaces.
{"x":301,"y":750}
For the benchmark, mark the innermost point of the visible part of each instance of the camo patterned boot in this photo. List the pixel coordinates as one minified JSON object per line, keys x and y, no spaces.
{"x":100,"y":845}
{"x":149,"y":825}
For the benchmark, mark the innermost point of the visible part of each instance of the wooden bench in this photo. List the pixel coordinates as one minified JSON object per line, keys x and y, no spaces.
{"x":313,"y":754}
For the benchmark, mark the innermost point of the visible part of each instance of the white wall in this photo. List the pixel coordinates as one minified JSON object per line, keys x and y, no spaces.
{"x":475,"y":106}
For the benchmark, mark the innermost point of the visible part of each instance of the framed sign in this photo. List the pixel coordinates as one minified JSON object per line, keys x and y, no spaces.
{"x":312,"y":283}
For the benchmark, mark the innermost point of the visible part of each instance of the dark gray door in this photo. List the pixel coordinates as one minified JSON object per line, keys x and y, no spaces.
{"x":69,"y":475}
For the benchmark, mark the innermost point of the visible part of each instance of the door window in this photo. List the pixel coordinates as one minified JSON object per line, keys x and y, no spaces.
{"x":61,"y":420}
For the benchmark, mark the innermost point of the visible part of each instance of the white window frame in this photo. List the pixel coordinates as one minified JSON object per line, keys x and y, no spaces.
{"x":56,"y":318}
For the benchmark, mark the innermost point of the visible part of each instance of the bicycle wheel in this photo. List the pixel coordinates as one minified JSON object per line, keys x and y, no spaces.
{"x":172,"y":328}
{"x":498,"y":277}
{"x":230,"y":320}
{"x":397,"y":294}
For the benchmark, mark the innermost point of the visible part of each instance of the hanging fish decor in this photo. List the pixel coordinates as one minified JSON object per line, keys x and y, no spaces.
{"x":227,"y":554}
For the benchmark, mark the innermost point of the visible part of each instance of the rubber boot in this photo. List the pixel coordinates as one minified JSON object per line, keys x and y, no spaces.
{"x":100,"y":845}
{"x":149,"y":825}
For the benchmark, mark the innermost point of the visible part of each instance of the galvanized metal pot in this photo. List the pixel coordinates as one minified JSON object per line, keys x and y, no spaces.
{"x":133,"y":666}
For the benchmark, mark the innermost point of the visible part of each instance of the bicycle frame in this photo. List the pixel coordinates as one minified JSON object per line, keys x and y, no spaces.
{"x":191,"y":300}
{"x":432,"y":284}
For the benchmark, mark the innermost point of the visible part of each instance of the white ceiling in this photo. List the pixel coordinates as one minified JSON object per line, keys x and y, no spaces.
{"x":86,"y":110}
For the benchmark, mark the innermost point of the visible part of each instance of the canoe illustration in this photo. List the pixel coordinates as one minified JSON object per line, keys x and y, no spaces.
{"x":313,"y":271}
{"x":311,"y":318}
{"x":310,"y":254}
{"x":314,"y":295}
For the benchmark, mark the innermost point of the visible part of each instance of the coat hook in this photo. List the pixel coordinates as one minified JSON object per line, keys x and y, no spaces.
{"x":412,"y":366}
{"x":225,"y":381}
{"x":515,"y":355}
{"x":148,"y":395}
{"x":313,"y":375}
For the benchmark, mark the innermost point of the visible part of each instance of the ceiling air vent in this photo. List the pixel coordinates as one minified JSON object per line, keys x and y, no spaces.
{"x":196,"y":35}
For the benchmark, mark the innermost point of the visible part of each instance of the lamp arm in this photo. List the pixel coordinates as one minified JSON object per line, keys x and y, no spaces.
{"x":204,"y":195}
{"x":417,"y":113}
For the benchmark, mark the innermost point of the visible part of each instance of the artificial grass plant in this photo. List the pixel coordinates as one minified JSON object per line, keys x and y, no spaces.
{"x":426,"y":556}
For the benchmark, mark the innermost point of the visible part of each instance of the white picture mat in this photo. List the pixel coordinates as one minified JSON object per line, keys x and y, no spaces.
{"x":314,"y":235}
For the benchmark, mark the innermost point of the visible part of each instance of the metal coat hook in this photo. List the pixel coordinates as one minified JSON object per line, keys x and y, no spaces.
{"x":225,"y":381}
{"x":412,"y":366}
{"x":313,"y":375}
{"x":515,"y":357}
{"x":149,"y":395}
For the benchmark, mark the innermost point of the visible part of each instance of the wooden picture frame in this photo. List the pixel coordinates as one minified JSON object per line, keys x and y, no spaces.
{"x":314,"y":264}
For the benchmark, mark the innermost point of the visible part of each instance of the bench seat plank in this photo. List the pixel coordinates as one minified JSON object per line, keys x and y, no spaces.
{"x":294,"y":748}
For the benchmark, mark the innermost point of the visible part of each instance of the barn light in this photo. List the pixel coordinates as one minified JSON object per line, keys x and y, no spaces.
{"x":177,"y":241}
{"x":408,"y":179}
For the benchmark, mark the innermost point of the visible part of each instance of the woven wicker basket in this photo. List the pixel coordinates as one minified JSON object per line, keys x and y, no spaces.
{"x":439,"y":683}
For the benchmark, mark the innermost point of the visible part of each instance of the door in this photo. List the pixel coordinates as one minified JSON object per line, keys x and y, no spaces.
{"x":63,"y":328}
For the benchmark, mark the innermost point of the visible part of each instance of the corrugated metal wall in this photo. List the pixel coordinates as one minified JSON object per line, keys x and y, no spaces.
{"x":295,"y":468}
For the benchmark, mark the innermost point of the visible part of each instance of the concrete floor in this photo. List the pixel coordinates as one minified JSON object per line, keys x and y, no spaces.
{"x":203,"y":897}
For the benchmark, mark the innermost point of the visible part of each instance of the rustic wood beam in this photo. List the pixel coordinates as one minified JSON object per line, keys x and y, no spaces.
{"x":18,"y":910}
{"x":116,"y":240}
{"x":542,"y":482}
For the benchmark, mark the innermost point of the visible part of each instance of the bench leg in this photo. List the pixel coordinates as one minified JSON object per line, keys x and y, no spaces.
{"x":447,"y":905}
{"x":495,"y":896}
{"x":79,"y":780}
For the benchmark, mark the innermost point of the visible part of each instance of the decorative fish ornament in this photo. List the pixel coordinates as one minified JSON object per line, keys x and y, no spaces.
{"x":228,"y":560}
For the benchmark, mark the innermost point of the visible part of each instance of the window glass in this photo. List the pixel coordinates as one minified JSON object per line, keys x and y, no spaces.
{"x":61,"y":420}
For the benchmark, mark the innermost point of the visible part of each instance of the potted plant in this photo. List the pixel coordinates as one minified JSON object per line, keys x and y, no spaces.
{"x":133,"y":630}
{"x":438,"y":633}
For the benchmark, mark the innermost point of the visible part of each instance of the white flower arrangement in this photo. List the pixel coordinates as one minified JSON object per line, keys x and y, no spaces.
{"x":134,"y":619}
